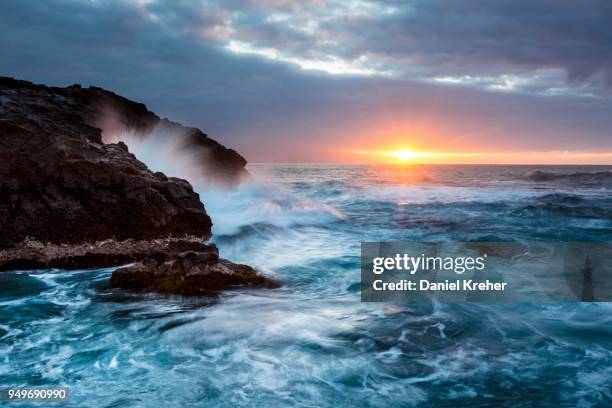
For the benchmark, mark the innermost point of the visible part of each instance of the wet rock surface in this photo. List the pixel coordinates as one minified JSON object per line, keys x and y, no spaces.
{"x":188,"y":270}
{"x":31,"y":254}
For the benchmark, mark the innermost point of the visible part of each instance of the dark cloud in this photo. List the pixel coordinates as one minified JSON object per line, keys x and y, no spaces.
{"x":498,"y":37}
{"x":527,"y":39}
{"x":174,"y":56}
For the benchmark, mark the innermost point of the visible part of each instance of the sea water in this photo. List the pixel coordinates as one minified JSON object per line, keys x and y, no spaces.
{"x":312,"y":343}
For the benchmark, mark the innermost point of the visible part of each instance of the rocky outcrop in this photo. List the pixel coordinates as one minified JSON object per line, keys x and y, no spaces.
{"x":193,"y":269}
{"x":115,"y":115}
{"x":59,"y":183}
{"x":69,"y":200}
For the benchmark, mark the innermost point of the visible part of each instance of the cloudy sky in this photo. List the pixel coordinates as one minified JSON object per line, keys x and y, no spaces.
{"x":319,"y":81}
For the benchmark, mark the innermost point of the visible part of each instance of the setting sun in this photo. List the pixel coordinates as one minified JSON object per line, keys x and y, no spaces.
{"x":405,"y":155}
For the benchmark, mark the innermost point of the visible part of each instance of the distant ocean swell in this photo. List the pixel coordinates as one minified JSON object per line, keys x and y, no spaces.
{"x":588,"y":178}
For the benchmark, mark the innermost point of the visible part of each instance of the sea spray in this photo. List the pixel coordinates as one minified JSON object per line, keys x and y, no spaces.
{"x":256,"y":203}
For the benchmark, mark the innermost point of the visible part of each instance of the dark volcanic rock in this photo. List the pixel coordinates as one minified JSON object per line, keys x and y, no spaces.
{"x":197,"y":270}
{"x":31,"y":254}
{"x":59,"y":183}
{"x":69,"y":200}
{"x":114,"y":115}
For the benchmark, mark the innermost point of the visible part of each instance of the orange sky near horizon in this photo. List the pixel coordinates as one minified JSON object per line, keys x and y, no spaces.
{"x":402,"y":155}
{"x":424,"y":145}
{"x":385,"y":139}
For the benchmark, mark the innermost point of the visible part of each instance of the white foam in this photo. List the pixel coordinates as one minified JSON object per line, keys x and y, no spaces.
{"x":255,"y":202}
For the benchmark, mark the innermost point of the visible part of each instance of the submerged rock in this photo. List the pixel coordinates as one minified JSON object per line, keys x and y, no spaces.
{"x":196,"y":271}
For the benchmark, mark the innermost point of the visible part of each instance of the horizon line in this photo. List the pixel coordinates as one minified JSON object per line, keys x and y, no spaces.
{"x":407,"y":164}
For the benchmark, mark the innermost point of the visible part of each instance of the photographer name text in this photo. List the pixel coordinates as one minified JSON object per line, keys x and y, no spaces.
{"x":447,"y":285}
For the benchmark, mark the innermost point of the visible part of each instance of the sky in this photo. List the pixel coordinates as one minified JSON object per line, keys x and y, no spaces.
{"x":517,"y":81}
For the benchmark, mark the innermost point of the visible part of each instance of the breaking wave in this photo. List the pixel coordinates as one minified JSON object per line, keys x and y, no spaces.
{"x":253,"y":203}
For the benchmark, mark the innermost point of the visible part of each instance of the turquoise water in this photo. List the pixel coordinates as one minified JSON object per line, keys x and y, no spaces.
{"x":312,"y":342}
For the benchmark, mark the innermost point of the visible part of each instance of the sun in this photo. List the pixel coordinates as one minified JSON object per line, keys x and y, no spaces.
{"x":405,"y":155}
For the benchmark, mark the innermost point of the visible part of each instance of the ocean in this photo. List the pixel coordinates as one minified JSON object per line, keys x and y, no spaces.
{"x":313,"y":343}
